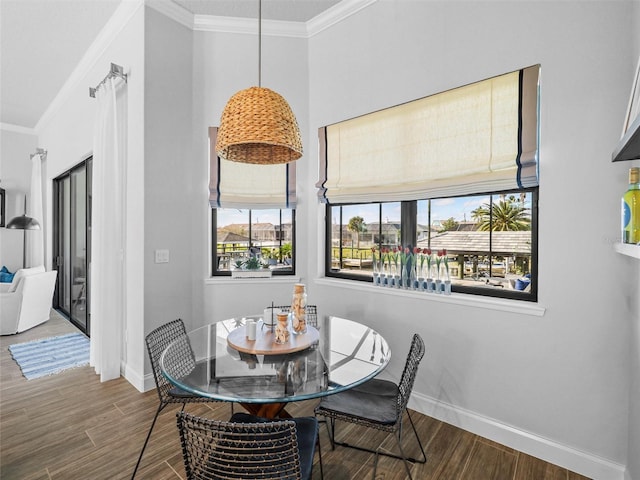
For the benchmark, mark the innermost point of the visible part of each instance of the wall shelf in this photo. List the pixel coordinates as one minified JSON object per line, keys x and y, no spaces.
{"x":628,"y":147}
{"x":627,"y":249}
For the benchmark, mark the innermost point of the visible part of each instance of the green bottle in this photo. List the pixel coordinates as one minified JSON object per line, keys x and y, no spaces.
{"x":631,"y":209}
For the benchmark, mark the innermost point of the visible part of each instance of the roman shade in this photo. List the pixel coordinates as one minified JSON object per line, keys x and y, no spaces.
{"x":250,"y":186}
{"x":481,"y":137}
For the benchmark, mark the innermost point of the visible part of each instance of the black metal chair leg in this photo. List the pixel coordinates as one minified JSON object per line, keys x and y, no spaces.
{"x":404,"y":457}
{"x":386,"y":454}
{"x":415,"y":433}
{"x":320,"y":457}
{"x":135,"y":470}
{"x":331,"y":432}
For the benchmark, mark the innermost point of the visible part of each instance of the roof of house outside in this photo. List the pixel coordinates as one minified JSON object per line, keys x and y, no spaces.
{"x":466,"y":226}
{"x":373,"y":227}
{"x":502,"y":243}
{"x":225,"y":236}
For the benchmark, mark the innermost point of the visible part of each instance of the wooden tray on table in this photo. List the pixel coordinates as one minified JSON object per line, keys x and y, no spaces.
{"x":264,"y":345}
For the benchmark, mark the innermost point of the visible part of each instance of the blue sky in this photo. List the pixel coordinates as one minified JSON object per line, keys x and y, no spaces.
{"x":442,"y":209}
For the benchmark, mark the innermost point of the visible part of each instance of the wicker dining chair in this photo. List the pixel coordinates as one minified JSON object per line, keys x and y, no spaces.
{"x":378,"y":404}
{"x":312,"y":313}
{"x":182,"y":361}
{"x":248,"y":447}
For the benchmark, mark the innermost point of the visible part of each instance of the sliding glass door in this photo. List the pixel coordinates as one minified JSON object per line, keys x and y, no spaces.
{"x":72,"y":243}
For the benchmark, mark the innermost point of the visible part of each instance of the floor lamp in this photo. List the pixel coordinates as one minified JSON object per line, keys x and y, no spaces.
{"x":24,"y":223}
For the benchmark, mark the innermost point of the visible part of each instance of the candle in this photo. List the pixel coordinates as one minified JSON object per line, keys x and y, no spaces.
{"x":251,"y":330}
{"x":269,"y":317}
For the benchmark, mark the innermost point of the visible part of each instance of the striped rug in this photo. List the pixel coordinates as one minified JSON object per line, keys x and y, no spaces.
{"x":51,"y":355}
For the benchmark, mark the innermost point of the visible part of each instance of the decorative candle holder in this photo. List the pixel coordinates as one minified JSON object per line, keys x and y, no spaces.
{"x":269,"y":317}
{"x":282,"y":329}
{"x":299,"y":309}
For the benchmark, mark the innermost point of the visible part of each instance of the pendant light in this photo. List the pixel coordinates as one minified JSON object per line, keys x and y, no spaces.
{"x":257,"y":125}
{"x":24,"y":223}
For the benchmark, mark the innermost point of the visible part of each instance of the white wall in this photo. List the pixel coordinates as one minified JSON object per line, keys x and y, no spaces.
{"x":223,"y":65}
{"x":560,"y":380}
{"x":633,"y":467}
{"x":68,"y":136}
{"x":169,"y":197}
{"x":15,"y":175}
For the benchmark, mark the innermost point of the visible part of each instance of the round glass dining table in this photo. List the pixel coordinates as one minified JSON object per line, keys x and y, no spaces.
{"x":219,"y":362}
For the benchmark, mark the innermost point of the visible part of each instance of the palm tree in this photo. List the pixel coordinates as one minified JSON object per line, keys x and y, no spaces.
{"x":479,"y":214}
{"x":507,"y":215}
{"x":357,"y":226}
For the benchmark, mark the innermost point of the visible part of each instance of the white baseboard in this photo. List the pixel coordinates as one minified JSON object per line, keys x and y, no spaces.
{"x":134,"y":378}
{"x":550,"y":451}
{"x":149,"y":382}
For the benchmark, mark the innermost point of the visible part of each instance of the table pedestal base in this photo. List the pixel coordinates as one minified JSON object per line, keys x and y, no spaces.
{"x":267,"y":410}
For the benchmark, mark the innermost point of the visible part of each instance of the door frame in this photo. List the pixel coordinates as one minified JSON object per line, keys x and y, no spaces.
{"x":58,"y":245}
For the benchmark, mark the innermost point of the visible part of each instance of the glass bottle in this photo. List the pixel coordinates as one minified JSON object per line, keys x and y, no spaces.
{"x":631,"y":209}
{"x":299,"y":309}
{"x":282,"y":331}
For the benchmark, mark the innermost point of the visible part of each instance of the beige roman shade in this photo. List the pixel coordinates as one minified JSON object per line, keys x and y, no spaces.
{"x":478,"y":138}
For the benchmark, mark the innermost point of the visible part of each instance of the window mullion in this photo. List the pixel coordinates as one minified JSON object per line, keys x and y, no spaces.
{"x":408,"y":223}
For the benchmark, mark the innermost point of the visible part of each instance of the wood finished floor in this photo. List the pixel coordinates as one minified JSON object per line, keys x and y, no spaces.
{"x":70,"y":426}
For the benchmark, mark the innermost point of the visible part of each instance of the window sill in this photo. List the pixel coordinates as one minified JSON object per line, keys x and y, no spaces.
{"x":280,"y":279}
{"x":627,"y":249}
{"x":499,"y":304}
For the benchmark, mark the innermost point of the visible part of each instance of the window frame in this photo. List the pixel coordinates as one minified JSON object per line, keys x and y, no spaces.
{"x":408,"y":221}
{"x":276,"y":272}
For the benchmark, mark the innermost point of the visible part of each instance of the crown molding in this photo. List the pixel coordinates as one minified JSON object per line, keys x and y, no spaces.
{"x":335,"y":14}
{"x":10,"y":127}
{"x":205,"y":23}
{"x":276,"y":28}
{"x":212,"y":23}
{"x":114,"y":26}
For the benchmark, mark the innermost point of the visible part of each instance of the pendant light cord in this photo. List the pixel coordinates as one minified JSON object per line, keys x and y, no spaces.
{"x":259,"y":43}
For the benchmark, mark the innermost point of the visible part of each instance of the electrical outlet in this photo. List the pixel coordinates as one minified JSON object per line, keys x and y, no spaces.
{"x":162,"y":256}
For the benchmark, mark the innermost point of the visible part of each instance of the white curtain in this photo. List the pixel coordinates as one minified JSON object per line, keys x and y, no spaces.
{"x":108,"y":281}
{"x":35,"y":238}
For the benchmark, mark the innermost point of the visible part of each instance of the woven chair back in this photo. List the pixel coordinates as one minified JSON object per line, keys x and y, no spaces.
{"x":416,"y":352}
{"x":223,"y":450}
{"x":180,"y":360}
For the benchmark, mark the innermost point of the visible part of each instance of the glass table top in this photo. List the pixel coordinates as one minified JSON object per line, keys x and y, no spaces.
{"x":346,"y":354}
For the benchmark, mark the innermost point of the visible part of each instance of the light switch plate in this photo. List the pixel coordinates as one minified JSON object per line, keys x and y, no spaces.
{"x":162,"y":256}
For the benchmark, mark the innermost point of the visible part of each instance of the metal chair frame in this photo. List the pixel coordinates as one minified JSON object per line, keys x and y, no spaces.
{"x":416,"y":352}
{"x":182,"y":362}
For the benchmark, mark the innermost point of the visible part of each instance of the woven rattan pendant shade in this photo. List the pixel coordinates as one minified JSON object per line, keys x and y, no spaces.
{"x":257,"y":126}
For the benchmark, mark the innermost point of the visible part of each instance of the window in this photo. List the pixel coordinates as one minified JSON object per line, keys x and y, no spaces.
{"x":267,"y":235}
{"x":455,"y":175}
{"x":252,"y":214}
{"x":489,"y":241}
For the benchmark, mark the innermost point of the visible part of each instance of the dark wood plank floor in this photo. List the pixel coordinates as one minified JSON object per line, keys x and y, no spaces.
{"x":70,"y":426}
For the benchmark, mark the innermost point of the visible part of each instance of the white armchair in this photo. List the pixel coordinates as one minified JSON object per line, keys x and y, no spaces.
{"x":26,"y":302}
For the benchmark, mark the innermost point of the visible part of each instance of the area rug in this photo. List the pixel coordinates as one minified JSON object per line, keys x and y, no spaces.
{"x":51,"y":355}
